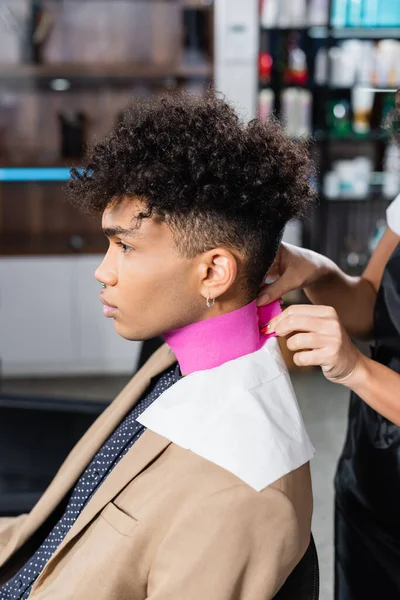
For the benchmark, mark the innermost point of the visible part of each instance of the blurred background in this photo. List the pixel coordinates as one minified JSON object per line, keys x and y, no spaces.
{"x":327,"y":68}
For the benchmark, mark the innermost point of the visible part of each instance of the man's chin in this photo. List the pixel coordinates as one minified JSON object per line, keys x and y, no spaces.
{"x":134,"y":335}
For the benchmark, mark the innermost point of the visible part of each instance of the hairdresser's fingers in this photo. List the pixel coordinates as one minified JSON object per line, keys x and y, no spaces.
{"x":306,"y":341}
{"x":297,"y":318}
{"x":274,"y":291}
{"x":317,"y":337}
{"x":310,"y":358}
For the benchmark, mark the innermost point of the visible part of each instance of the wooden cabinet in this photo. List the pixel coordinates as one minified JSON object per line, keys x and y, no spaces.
{"x":36,"y":219}
{"x":51,"y":322}
{"x":61,"y":94}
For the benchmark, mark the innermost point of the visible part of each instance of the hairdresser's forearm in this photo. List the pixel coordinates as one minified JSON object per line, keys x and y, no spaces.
{"x":379,"y":387}
{"x":353,"y":298}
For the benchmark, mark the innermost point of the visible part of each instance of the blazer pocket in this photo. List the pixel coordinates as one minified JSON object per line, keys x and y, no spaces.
{"x":119,"y":520}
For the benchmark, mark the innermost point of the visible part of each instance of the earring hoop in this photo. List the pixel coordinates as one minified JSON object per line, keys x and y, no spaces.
{"x":210,"y":302}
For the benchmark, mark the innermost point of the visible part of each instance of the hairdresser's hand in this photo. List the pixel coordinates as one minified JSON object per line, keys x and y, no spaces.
{"x":294,"y":268}
{"x":318,"y":338}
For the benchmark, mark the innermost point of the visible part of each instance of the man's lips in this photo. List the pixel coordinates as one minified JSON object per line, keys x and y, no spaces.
{"x":108,"y":309}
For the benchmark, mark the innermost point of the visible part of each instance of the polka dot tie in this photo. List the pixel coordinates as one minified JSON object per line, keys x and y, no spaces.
{"x":114,"y":449}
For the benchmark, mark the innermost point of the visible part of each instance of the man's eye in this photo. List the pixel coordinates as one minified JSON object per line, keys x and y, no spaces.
{"x":125,"y":249}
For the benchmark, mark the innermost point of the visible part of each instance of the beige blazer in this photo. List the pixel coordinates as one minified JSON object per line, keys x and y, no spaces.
{"x":166,"y":524}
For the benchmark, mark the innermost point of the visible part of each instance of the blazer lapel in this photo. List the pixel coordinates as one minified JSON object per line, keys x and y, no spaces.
{"x":87,"y":447}
{"x":148,"y":447}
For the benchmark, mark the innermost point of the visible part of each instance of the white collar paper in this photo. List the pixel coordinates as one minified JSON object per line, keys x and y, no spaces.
{"x":242,"y":416}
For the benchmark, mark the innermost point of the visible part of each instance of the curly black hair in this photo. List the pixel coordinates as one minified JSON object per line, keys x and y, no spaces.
{"x":213,"y":179}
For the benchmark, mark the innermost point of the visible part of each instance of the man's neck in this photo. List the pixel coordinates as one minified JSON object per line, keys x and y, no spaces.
{"x":212,"y":342}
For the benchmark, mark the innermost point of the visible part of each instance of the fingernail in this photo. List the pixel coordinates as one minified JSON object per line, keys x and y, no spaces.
{"x":266,"y":329}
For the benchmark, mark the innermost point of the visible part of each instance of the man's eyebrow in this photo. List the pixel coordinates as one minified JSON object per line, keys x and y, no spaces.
{"x":114,"y":231}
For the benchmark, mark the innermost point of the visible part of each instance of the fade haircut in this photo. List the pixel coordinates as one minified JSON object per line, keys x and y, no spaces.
{"x":213,"y":179}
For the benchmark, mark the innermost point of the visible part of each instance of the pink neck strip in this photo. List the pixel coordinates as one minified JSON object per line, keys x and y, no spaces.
{"x":213,"y":342}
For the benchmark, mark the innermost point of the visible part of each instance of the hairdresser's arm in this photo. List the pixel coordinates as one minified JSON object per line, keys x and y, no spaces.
{"x":325,"y":283}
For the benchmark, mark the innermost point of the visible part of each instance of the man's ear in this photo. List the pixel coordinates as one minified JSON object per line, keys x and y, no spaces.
{"x":218,"y":270}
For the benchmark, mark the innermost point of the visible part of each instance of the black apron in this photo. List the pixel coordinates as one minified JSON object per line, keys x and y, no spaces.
{"x":367,"y":513}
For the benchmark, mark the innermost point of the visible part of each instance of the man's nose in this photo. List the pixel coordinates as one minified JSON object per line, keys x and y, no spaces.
{"x":105,"y":273}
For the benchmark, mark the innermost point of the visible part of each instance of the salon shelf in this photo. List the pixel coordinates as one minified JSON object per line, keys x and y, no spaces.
{"x":321,"y":137}
{"x":373,"y":136}
{"x":102,"y":72}
{"x":43,"y":163}
{"x":323,"y":32}
{"x":341,"y":199}
{"x":310,"y":85}
{"x":285,"y":29}
{"x":343,"y":33}
{"x":347,"y":89}
{"x":375,"y":33}
{"x":334,"y":221}
{"x":197,"y":4}
{"x":45,"y":244}
{"x":370,"y":197}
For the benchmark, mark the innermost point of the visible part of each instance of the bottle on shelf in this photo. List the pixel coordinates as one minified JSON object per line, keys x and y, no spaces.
{"x":298,"y":14}
{"x":388,"y":13}
{"x":321,"y":66}
{"x":297,"y":71}
{"x":370,"y":14}
{"x":289,"y":111}
{"x":269,"y":12}
{"x":338,"y":118}
{"x":265,"y":65}
{"x":41,"y":23}
{"x":367,"y":13}
{"x":354,"y":13}
{"x":348,"y":179}
{"x":318,"y":13}
{"x":296,"y":112}
{"x":266,"y":102}
{"x":364,"y":62}
{"x":339,"y":13}
{"x":362,"y":100}
{"x":287,"y":14}
{"x":73,"y":134}
{"x":304,"y":127}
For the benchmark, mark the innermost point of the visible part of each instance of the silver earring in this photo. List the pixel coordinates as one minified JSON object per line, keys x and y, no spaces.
{"x":103,"y":285}
{"x":210,"y":302}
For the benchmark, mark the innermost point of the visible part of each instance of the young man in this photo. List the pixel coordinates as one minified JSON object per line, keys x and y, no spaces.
{"x":194,"y":483}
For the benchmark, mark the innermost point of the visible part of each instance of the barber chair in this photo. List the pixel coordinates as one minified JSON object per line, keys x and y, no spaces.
{"x":303,"y":582}
{"x":36,"y":434}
